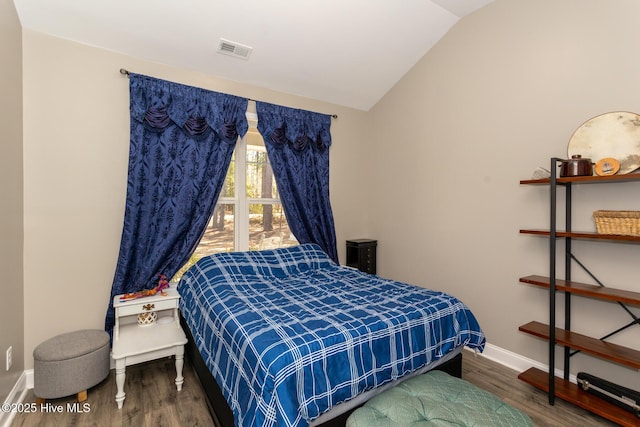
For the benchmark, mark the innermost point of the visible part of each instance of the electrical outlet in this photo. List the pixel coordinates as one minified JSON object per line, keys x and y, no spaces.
{"x":9,"y":357}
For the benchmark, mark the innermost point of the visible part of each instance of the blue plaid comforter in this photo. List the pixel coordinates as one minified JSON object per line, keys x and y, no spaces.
{"x":288,"y":334}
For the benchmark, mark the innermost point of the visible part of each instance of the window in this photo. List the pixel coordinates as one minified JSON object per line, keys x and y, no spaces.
{"x":248,"y":215}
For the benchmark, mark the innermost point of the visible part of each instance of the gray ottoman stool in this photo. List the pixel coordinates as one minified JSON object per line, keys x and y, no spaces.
{"x":70,"y":364}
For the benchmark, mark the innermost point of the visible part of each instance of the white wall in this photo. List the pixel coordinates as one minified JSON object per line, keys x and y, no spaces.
{"x":11,"y":225}
{"x":76,"y":143}
{"x":498,"y":96}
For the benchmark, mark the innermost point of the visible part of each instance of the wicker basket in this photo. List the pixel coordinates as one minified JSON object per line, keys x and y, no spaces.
{"x":626,"y":223}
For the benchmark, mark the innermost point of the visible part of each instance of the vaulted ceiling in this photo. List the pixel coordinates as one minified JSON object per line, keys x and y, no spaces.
{"x":347,"y":52}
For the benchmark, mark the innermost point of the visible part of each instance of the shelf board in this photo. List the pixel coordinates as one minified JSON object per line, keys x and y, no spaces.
{"x":583,"y":235}
{"x":606,"y":350}
{"x":571,"y":393}
{"x":585,"y":179}
{"x":583,"y":289}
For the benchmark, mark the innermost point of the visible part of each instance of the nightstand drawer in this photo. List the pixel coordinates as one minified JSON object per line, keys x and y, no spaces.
{"x":141,"y":306}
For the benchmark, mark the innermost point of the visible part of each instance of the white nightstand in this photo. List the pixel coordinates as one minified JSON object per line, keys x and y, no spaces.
{"x":134,"y":343}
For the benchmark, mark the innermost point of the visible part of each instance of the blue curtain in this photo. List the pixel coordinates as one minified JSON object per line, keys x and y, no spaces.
{"x":182,"y":140}
{"x":297,"y":143}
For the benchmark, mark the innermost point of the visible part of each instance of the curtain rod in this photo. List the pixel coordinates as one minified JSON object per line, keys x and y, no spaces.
{"x":125,"y":72}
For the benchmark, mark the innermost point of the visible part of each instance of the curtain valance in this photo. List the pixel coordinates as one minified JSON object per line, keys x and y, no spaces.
{"x":157,"y":103}
{"x":300,"y":128}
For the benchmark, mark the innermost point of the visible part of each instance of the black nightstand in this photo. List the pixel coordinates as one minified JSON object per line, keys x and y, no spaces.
{"x":361,"y":254}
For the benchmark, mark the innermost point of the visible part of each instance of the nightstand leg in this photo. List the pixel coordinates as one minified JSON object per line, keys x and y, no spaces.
{"x":120,"y":375}
{"x":179,"y":366}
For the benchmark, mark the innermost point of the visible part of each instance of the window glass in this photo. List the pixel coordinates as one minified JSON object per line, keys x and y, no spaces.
{"x":248,"y":215}
{"x":269,"y":228}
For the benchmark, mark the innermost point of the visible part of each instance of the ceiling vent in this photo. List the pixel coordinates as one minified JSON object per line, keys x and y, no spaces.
{"x":234,"y":49}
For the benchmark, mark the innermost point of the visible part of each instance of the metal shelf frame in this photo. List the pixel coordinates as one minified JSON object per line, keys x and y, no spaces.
{"x":569,"y":260}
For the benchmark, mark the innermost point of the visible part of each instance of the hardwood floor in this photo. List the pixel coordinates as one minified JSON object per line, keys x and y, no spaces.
{"x":504,"y":382}
{"x":152,"y":399}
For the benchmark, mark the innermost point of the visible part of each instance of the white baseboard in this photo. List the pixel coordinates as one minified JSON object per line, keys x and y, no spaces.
{"x":16,"y":396}
{"x":29,"y":376}
{"x":516,"y":361}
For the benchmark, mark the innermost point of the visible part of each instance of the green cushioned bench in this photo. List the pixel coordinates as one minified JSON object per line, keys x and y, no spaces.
{"x":436,"y":399}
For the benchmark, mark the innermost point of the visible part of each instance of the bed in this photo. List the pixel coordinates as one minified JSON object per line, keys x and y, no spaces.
{"x":291,"y":338}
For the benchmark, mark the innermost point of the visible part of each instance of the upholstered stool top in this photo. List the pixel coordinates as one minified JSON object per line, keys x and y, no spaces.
{"x":70,"y":345}
{"x":437,"y":399}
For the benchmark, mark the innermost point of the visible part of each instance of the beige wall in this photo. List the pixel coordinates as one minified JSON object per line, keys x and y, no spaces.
{"x":496,"y":98}
{"x":11,"y":225}
{"x":76,"y":143}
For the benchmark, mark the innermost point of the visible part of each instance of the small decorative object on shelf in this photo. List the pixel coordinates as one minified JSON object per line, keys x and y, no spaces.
{"x":576,"y":166}
{"x":541,"y":173}
{"x":607,"y":166}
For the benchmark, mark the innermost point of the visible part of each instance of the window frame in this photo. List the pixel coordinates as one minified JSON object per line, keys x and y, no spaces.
{"x":241,"y":229}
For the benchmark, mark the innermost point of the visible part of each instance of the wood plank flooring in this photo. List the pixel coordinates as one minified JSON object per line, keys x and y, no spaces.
{"x":504,"y":382}
{"x":152,"y":399}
